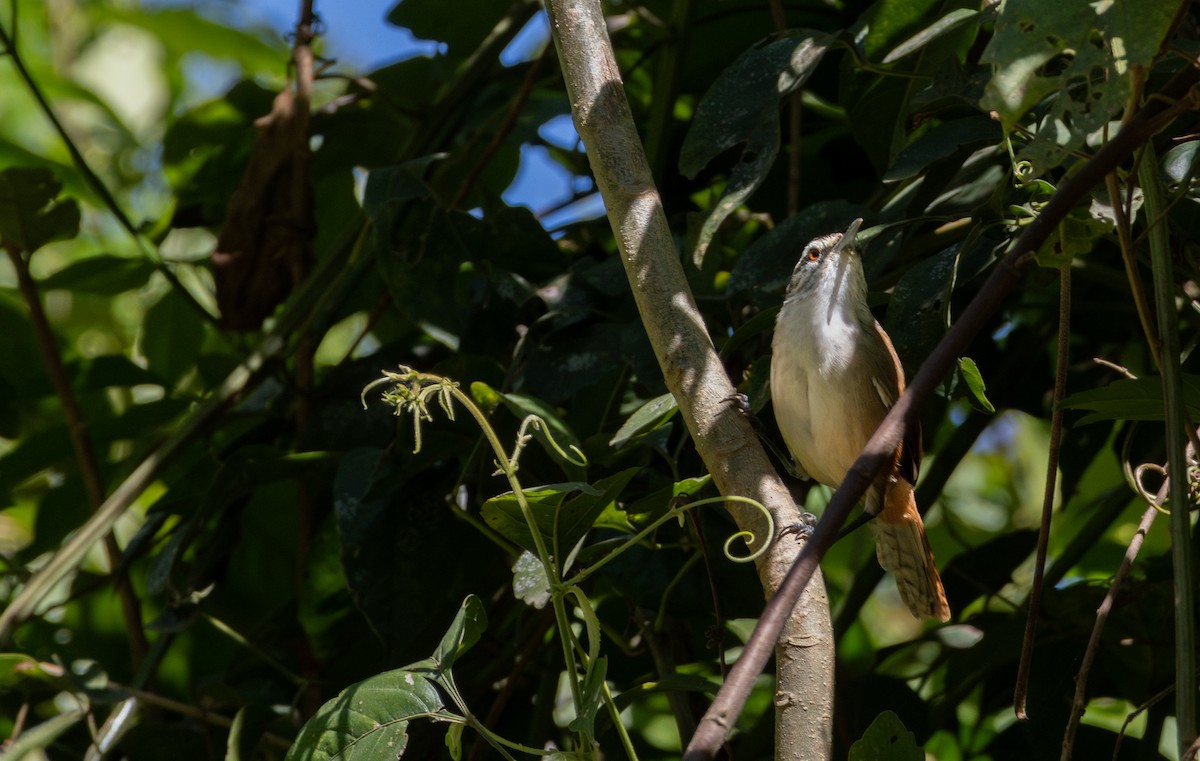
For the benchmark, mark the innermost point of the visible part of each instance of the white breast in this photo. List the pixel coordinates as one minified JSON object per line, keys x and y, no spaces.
{"x":822,"y":388}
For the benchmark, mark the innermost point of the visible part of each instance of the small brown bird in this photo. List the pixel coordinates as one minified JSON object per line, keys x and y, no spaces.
{"x":834,"y":375}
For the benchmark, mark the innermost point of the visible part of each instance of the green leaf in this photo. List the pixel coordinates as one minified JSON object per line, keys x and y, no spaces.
{"x":887,"y":739}
{"x":34,"y":740}
{"x":652,"y":415}
{"x":30,"y":213}
{"x":368,"y":720}
{"x":522,"y":405}
{"x":970,"y":373}
{"x":462,"y":25}
{"x":1075,"y":235}
{"x":653,"y":505}
{"x":1132,"y":399}
{"x":530,"y":583}
{"x":555,"y":515}
{"x":249,"y":724}
{"x":468,"y":626}
{"x":16,"y":667}
{"x":887,"y":23}
{"x":592,"y":698}
{"x":104,"y":275}
{"x":454,"y":734}
{"x":171,"y":337}
{"x":109,"y":371}
{"x":742,"y":106}
{"x":946,"y":24}
{"x":1180,"y":163}
{"x":1082,"y":52}
{"x":942,"y":142}
{"x":185,"y":31}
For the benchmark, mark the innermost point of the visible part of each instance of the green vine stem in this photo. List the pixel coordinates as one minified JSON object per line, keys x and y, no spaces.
{"x":410,"y":392}
{"x":1176,"y":440}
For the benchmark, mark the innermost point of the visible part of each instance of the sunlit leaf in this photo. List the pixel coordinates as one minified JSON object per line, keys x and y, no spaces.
{"x":648,"y":417}
{"x":970,"y":373}
{"x":946,"y":24}
{"x":1083,"y":52}
{"x":368,"y":720}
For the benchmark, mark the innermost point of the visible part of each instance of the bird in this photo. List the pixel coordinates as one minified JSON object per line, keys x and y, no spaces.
{"x":834,"y":376}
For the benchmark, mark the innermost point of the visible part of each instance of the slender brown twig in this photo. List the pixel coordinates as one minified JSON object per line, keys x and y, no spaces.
{"x":1021,"y":690}
{"x":505,"y":128}
{"x":81,"y":442}
{"x":1093,"y":645}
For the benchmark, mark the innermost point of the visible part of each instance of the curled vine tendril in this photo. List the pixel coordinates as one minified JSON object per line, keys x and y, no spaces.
{"x":538,"y":424}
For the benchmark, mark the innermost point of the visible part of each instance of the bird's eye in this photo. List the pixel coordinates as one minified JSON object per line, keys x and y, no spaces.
{"x":813,"y":255}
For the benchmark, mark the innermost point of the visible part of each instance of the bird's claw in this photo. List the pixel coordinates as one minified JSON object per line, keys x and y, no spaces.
{"x":741,"y":402}
{"x":804,"y":529}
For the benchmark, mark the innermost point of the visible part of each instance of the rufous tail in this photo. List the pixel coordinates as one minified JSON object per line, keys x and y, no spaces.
{"x":903,"y":549}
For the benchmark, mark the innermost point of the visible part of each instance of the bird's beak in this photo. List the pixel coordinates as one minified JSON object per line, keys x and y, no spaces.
{"x":848,"y":236}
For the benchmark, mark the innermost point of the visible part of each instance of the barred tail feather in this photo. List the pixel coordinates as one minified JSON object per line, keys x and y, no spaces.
{"x":903,"y":549}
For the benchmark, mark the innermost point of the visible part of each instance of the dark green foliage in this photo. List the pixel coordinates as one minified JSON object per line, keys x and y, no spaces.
{"x":294,"y":552}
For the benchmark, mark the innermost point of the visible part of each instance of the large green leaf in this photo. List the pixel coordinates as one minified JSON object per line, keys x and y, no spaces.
{"x":887,"y":739}
{"x":185,"y":31}
{"x":105,"y":275}
{"x":462,"y":25}
{"x":1132,"y":399}
{"x":368,"y":721}
{"x":171,"y":337}
{"x":1083,"y":53}
{"x":554,"y":514}
{"x":742,"y":106}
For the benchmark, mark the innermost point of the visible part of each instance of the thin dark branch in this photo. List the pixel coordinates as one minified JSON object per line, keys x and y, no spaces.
{"x":1021,"y":691}
{"x":503,"y":131}
{"x":1093,"y":645}
{"x":85,"y":454}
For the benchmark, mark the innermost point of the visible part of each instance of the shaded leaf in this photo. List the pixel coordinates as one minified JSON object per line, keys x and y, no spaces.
{"x":462,"y":30}
{"x":33,"y":741}
{"x":557,"y":517}
{"x":105,"y":275}
{"x":941,"y":142}
{"x":742,"y":106}
{"x":31,"y":214}
{"x":886,"y":739}
{"x":171,"y":337}
{"x":468,"y":626}
{"x":1131,"y":399}
{"x":1083,"y":52}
